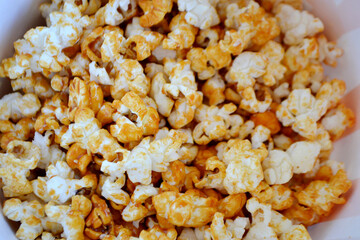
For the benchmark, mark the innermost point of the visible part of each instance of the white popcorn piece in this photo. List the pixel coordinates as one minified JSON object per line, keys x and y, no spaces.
{"x":199,"y":13}
{"x":99,"y":75}
{"x":251,"y":104}
{"x":260,"y":135}
{"x":230,"y":230}
{"x":211,"y":179}
{"x":280,"y":92}
{"x":303,"y":155}
{"x":111,"y":188}
{"x":50,"y":153}
{"x":245,"y":68}
{"x":29,"y":214}
{"x":277,"y":167}
{"x":164,"y":103}
{"x":216,"y":123}
{"x":161,"y":53}
{"x":301,"y":111}
{"x":15,"y":166}
{"x":296,"y":25}
{"x":282,"y":141}
{"x":311,"y":76}
{"x":328,"y":52}
{"x":15,"y":106}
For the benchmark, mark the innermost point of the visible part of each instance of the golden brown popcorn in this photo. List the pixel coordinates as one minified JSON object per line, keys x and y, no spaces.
{"x":104,"y":115}
{"x":337,"y":120}
{"x":208,"y":37}
{"x":129,"y":75}
{"x":301,"y":110}
{"x":216,"y":123}
{"x":71,"y":218}
{"x":59,"y":83}
{"x":301,"y":214}
{"x":250,"y":102}
{"x":332,"y":91}
{"x":100,"y":220}
{"x":275,"y":71}
{"x":113,"y":13}
{"x":321,"y":196}
{"x":33,"y":83}
{"x":281,"y":198}
{"x":263,"y":192}
{"x":182,"y":34}
{"x":243,"y":172}
{"x":156,"y":232}
{"x":133,"y":119}
{"x":296,"y":25}
{"x":200,"y":64}
{"x":231,"y":205}
{"x":16,"y":163}
{"x":187,"y":209}
{"x":328,"y":52}
{"x":78,"y":158}
{"x":267,"y":119}
{"x":22,"y":130}
{"x":176,"y":174}
{"x":298,"y":56}
{"x":214,"y":89}
{"x":245,"y":68}
{"x":154,"y":11}
{"x":214,"y":175}
{"x":135,"y":210}
{"x":28,"y":213}
{"x":311,"y":76}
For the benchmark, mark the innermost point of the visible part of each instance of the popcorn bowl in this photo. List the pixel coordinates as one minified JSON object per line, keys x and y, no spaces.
{"x":342,"y":23}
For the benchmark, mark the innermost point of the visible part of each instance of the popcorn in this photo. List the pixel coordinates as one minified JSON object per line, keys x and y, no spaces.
{"x":129,"y":75}
{"x":337,"y":120}
{"x":303,"y":155}
{"x":267,"y":119}
{"x":221,"y":126}
{"x":280,"y":92}
{"x":28,"y":213}
{"x":214,"y":89}
{"x":164,"y":103}
{"x":310,"y":76}
{"x":71,"y":218}
{"x":301,"y":214}
{"x":133,"y":117}
{"x":250,"y":102}
{"x":154,"y":11}
{"x":259,"y":136}
{"x":50,"y":153}
{"x":231,"y":205}
{"x":296,"y":25}
{"x":187,"y":209}
{"x":231,"y":229}
{"x":286,"y":229}
{"x":277,"y":167}
{"x":201,"y":14}
{"x":301,"y":110}
{"x":332,"y":91}
{"x":321,"y":196}
{"x":99,"y":75}
{"x":113,"y":13}
{"x":245,"y":68}
{"x":157,"y":232}
{"x":328,"y":52}
{"x":135,"y":211}
{"x":175,"y":175}
{"x":211,"y":179}
{"x":272,"y":4}
{"x":15,"y":106}
{"x":243,"y":171}
{"x":275,"y":71}
{"x":281,"y":198}
{"x":199,"y":63}
{"x":182,"y":34}
{"x":22,"y":130}
{"x":298,"y":56}
{"x":207,"y":37}
{"x":16,"y":163}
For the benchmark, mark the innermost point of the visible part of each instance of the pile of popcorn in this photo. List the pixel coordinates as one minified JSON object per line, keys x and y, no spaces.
{"x":165,"y":119}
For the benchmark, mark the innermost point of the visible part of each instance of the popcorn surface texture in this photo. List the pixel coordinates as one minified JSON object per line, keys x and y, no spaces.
{"x":172,"y":119}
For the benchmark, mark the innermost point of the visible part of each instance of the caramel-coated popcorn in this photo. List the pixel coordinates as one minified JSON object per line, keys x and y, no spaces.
{"x":162,"y":119}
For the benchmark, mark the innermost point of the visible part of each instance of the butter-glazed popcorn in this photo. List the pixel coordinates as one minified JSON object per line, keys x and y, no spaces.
{"x":277,"y":167}
{"x":296,"y":25}
{"x":16,"y":163}
{"x":321,"y":196}
{"x":118,"y":101}
{"x":301,"y":110}
{"x":154,"y":11}
{"x":187,"y":209}
{"x":298,"y":56}
{"x":337,"y":120}
{"x":243,"y":171}
{"x":71,"y":218}
{"x":182,"y":34}
{"x":133,"y":119}
{"x":15,"y":106}
{"x":28,"y":213}
{"x":245,"y":68}
{"x":275,"y":71}
{"x":216,"y":123}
